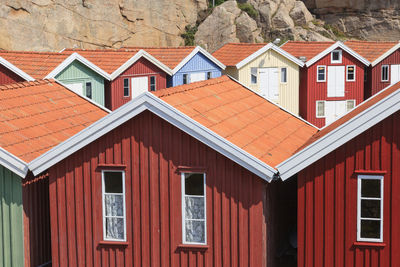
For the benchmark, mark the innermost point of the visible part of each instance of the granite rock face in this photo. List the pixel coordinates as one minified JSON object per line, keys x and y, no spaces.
{"x":55,"y":24}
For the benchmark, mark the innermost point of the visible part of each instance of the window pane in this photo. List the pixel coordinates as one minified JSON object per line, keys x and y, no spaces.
{"x":126,"y":87}
{"x":283,"y":75}
{"x":185,"y":78}
{"x":194,"y":184}
{"x":114,"y":205}
{"x":209,"y":75}
{"x":385,"y":73}
{"x":253,"y":75}
{"x":194,"y":208}
{"x":115,"y":228}
{"x":370,"y":188}
{"x":195,"y":231}
{"x":350,"y":105}
{"x":321,"y":73}
{"x":113,"y":182}
{"x":350,"y":73}
{"x":89,"y":90}
{"x":336,"y":56}
{"x":370,"y":208}
{"x":152,"y":83}
{"x":370,"y":229}
{"x":321,"y":108}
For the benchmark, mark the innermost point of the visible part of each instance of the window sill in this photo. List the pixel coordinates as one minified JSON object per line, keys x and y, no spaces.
{"x":114,"y":243}
{"x":369,"y":244}
{"x":192,"y":247}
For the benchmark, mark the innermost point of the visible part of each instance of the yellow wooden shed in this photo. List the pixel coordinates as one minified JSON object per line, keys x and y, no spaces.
{"x":265,"y":69}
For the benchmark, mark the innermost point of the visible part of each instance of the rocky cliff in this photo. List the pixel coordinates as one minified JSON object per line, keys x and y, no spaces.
{"x":55,"y":24}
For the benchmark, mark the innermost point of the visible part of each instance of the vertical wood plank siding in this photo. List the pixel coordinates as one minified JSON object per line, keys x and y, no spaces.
{"x":198,"y":63}
{"x":319,"y":90}
{"x":289,"y":91}
{"x":7,"y":76}
{"x":327,"y":201}
{"x":141,"y":68}
{"x":152,"y":150}
{"x":376,"y":72}
{"x":76,"y":72}
{"x":35,"y":191}
{"x":11,"y":220}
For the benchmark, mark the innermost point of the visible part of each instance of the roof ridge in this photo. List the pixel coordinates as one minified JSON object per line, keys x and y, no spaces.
{"x":25,"y":84}
{"x":188,"y":87}
{"x":28,"y":52}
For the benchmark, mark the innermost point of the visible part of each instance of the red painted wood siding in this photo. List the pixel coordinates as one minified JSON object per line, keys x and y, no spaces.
{"x":327,"y":201}
{"x":318,"y":90}
{"x":115,"y":89}
{"x":37,"y":240}
{"x":376,"y":73}
{"x":7,"y":76}
{"x":152,"y":150}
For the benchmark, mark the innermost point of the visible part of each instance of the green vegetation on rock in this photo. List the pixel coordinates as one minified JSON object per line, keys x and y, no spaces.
{"x":188,"y":36}
{"x":249,"y":9}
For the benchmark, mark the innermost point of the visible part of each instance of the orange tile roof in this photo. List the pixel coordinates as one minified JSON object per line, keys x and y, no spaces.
{"x":108,"y":60}
{"x":363,"y":106}
{"x":369,"y":49}
{"x":233,"y":53}
{"x":169,"y":56}
{"x":35,"y":64}
{"x":36,"y":116}
{"x":305,"y":49}
{"x":242,"y":117}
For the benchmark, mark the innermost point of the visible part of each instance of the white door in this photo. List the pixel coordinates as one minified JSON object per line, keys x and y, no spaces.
{"x":76,"y":87}
{"x":140,"y":85}
{"x":334,"y":110}
{"x":336,"y":81}
{"x":269,"y":82}
{"x":394,"y":74}
{"x":196,"y":77}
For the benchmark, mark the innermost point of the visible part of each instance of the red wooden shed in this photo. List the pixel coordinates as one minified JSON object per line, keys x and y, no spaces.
{"x":348,"y":188}
{"x":331,"y":81}
{"x":175,"y":178}
{"x":385,"y":63}
{"x":132,"y":72}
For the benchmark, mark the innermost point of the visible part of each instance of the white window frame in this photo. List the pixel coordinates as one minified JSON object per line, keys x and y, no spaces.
{"x":129,"y":87}
{"x":103,"y":204}
{"x":286,"y":75}
{"x":372,"y":177}
{"x":354,"y":104}
{"x":316,"y":108}
{"x":387,"y":75}
{"x":251,"y":76}
{"x":324,"y":80}
{"x":347,"y":73}
{"x":183,"y":208}
{"x":340,"y":56}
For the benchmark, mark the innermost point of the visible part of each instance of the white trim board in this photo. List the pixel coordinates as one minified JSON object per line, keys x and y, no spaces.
{"x":264,"y":49}
{"x":336,"y":45}
{"x":192,"y":54}
{"x":13,"y":163}
{"x":340,"y":135}
{"x":15,"y":70}
{"x":75,"y":56}
{"x":141,"y":53}
{"x":148,"y":101}
{"x":385,"y":55}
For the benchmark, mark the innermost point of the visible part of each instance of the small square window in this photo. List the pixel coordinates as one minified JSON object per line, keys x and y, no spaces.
{"x":185,"y":79}
{"x":152,"y":83}
{"x":283,"y":75}
{"x":254,"y":75}
{"x":89,"y":90}
{"x":385,"y":73}
{"x":209,"y":75}
{"x":320,"y":109}
{"x":336,"y":56}
{"x":126,"y":87}
{"x":321,"y":73}
{"x":350,"y":104}
{"x":351,"y":73}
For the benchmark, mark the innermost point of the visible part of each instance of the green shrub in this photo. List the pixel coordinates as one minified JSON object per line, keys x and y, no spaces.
{"x":338,"y":33}
{"x":188,"y":36}
{"x":249,"y":9}
{"x":216,"y":3}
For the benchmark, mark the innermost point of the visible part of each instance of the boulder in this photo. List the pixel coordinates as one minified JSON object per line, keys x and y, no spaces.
{"x":282,"y":20}
{"x":300,"y":14}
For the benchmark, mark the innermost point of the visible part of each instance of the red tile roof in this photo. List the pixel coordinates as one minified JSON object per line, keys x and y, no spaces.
{"x":363,"y":106}
{"x":369,"y":49}
{"x":305,"y":49}
{"x":108,"y":60}
{"x":36,"y":116}
{"x":242,"y":117}
{"x":233,"y":53}
{"x":35,"y":64}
